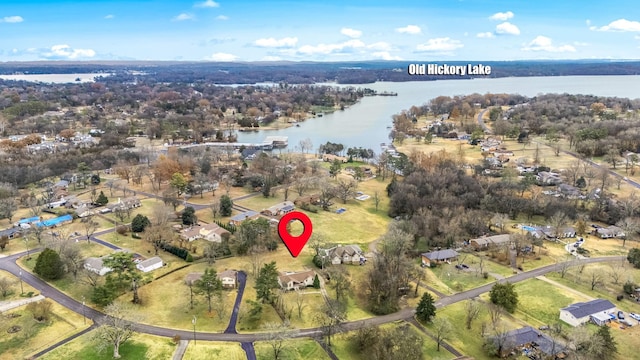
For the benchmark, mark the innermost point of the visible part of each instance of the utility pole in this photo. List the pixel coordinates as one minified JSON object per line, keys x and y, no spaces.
{"x":193,"y":321}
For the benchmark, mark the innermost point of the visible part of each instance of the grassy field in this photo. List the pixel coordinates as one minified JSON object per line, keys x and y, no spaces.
{"x":210,"y":350}
{"x":360,"y":224}
{"x":539,"y":302}
{"x":344,"y":348}
{"x":166,"y":303}
{"x":293,"y":350}
{"x":140,"y":346}
{"x":14,"y":290}
{"x":36,"y":336}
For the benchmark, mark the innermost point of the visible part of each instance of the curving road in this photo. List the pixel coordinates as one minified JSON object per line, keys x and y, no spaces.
{"x":9,"y":264}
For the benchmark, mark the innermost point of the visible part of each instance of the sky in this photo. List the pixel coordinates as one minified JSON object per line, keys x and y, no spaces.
{"x":327,"y":30}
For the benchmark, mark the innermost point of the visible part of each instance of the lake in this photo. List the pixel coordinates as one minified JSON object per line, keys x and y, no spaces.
{"x":54,"y":78}
{"x":365,"y":123}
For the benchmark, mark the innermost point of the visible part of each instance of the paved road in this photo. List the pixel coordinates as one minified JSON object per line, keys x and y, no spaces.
{"x":249,"y":350}
{"x":484,"y":126}
{"x":242,"y":280}
{"x":8,"y":264}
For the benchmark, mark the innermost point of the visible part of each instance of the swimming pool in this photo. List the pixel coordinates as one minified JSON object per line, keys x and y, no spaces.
{"x":528,"y":228}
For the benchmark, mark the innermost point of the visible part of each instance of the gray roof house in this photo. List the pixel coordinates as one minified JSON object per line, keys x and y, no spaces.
{"x":150,"y":264}
{"x":344,"y":254}
{"x":580,"y":313}
{"x":438,"y":256}
{"x":528,"y":338}
{"x":96,"y":265}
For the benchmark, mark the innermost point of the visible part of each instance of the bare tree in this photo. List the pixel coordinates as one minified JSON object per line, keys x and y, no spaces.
{"x":629,"y":225}
{"x":495,"y":314}
{"x":117,"y":327}
{"x":595,"y":279}
{"x":330,"y":318}
{"x":5,"y":286}
{"x":340,"y":282}
{"x":617,"y":271}
{"x":500,"y":220}
{"x":306,"y":145}
{"x":72,"y":258}
{"x":443,"y":330}
{"x":256,"y":257}
{"x":300,"y":305}
{"x":89,"y":225}
{"x":277,"y":336}
{"x":376,"y":199}
{"x":472,"y":311}
{"x":215,"y":208}
{"x":346,"y":189}
{"x":162,"y":215}
{"x":564,"y":267}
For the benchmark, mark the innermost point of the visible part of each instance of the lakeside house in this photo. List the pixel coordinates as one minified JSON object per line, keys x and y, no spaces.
{"x":331,"y":158}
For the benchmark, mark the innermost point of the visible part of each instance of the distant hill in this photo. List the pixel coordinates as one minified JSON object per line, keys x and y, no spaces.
{"x":360,"y":72}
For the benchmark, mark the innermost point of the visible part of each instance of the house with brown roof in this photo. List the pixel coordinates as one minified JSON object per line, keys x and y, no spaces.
{"x":296,"y":280}
{"x":210,"y":232}
{"x":313,"y":199}
{"x":485,"y":242}
{"x":279,"y":209}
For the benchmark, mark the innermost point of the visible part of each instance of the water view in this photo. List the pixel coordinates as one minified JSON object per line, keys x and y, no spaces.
{"x":365,"y":124}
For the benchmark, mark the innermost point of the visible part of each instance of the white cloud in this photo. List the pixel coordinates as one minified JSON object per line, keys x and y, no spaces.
{"x":380,"y":46}
{"x":12,"y":19}
{"x":352,"y":33}
{"x":347,"y":46}
{"x":501,"y":16}
{"x":485,"y":35}
{"x":222,"y":57}
{"x":619,"y":25}
{"x":67,"y":52}
{"x":183,"y":17}
{"x":222,"y":17}
{"x":440,"y":45}
{"x":110,"y":16}
{"x":277,"y":43}
{"x":543,"y":43}
{"x":507,"y":28}
{"x":207,"y":4}
{"x":409,"y":29}
{"x":384,"y":55}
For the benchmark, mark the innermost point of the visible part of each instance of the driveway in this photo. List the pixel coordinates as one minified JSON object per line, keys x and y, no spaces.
{"x":242,"y":282}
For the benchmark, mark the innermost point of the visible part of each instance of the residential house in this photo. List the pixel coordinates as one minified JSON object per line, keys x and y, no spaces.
{"x":150,"y":264}
{"x":279,"y":209}
{"x":125,"y":204}
{"x":61,"y":185}
{"x":209,"y":232}
{"x":296,"y":280}
{"x":229,"y":279}
{"x":580,"y":313}
{"x":487,"y":241}
{"x":84,"y":211}
{"x":11,"y":233}
{"x":550,"y":232}
{"x":248,"y":215}
{"x":529,"y":341}
{"x":439,"y":256}
{"x":331,"y":158}
{"x":610,"y":232}
{"x":250,"y":154}
{"x":96,"y":265}
{"x":307,"y":200}
{"x":548,"y":178}
{"x":344,"y":254}
{"x":570,"y":192}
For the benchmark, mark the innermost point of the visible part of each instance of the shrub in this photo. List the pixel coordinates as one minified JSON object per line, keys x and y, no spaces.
{"x":49,"y":265}
{"x":122,"y":229}
{"x":189,"y":258}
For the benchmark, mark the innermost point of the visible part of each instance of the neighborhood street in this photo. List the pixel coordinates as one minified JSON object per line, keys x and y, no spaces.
{"x":9,"y":264}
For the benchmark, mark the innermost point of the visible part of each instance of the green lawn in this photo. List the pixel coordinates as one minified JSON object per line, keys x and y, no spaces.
{"x":293,"y":350}
{"x":344,"y":348}
{"x":140,"y":346}
{"x":214,"y":350}
{"x":539,"y":302}
{"x":34,"y":336}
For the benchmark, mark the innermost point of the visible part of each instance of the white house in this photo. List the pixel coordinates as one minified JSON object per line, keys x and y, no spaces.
{"x":95,"y":265}
{"x":229,"y":279}
{"x":209,"y":232}
{"x":150,"y":264}
{"x":296,"y":280}
{"x":581,"y":313}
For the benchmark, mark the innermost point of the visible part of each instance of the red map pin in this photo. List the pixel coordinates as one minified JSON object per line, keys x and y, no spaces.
{"x":295,"y":243}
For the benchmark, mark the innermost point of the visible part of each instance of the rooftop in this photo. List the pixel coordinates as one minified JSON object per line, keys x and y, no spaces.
{"x":580,"y":310}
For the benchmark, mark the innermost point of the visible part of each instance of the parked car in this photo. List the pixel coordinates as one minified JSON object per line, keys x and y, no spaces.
{"x":634,"y":316}
{"x":626,"y":323}
{"x":620,"y":315}
{"x":459,"y":267}
{"x":464,"y":266}
{"x":544,"y":327}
